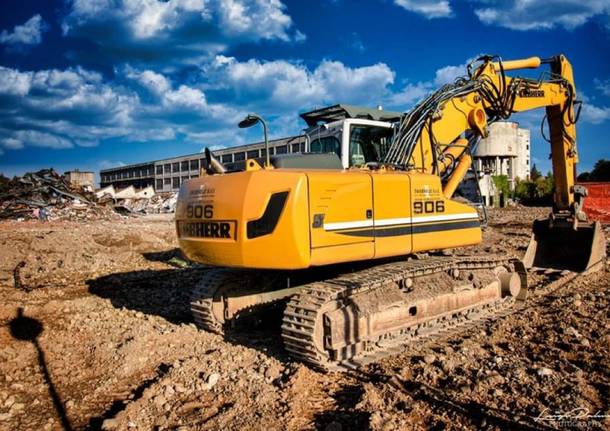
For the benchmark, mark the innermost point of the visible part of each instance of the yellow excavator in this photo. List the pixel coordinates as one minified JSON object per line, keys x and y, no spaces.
{"x":345,"y":234}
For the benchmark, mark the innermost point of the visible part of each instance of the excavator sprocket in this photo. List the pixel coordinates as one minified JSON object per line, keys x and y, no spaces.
{"x":359,"y":318}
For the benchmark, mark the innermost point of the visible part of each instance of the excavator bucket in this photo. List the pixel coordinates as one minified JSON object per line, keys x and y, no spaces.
{"x":560,"y":246}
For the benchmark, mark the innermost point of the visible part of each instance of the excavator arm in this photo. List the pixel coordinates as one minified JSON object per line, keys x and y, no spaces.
{"x":437,"y":136}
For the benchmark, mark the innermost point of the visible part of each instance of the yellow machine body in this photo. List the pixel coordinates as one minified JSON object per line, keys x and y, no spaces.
{"x":297,"y":218}
{"x":294,"y":219}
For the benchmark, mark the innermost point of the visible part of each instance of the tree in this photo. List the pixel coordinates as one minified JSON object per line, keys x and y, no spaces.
{"x":535,"y":192}
{"x":535,"y":173}
{"x":601,"y":171}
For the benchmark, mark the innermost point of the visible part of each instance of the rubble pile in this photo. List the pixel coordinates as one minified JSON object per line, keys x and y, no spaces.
{"x":157,"y":204}
{"x":46,"y":195}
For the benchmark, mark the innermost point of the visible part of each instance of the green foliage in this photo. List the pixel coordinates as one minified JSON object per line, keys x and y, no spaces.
{"x":535,"y":173}
{"x":600,"y":172}
{"x":538,"y":192}
{"x":502,"y":186}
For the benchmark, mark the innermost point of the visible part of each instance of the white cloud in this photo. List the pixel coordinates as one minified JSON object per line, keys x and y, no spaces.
{"x":299,"y":36}
{"x":603,"y":86}
{"x":275,"y":86}
{"x":75,"y":107}
{"x":42,"y":139}
{"x":448,"y":74}
{"x":541,"y":14}
{"x":594,"y":114}
{"x":171,"y":32}
{"x":13,"y":82}
{"x":154,"y":82}
{"x":263,"y":19}
{"x":29,"y":33}
{"x":410,"y":94}
{"x":428,"y":8}
{"x":11,"y":143}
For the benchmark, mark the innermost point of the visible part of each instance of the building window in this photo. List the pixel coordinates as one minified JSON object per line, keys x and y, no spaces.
{"x":194,"y":165}
{"x":195,"y":176}
{"x":202,"y":163}
{"x":227,"y":158}
{"x":159,"y":184}
{"x":184,"y":179}
{"x":175,"y":182}
{"x":239,"y":156}
{"x":252,"y":154}
{"x":175,"y":167}
{"x":296,"y":148}
{"x":184,"y":166}
{"x":167,"y":168}
{"x":282,"y":149}
{"x":167,"y":181}
{"x":159,"y":169}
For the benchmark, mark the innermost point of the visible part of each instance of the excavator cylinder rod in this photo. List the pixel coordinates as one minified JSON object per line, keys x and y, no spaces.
{"x":525,"y":63}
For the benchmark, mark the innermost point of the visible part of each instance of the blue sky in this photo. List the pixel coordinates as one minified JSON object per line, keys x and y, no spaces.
{"x":92,"y":84}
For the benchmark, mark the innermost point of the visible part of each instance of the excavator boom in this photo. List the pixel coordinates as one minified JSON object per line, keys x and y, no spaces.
{"x":429,"y":140}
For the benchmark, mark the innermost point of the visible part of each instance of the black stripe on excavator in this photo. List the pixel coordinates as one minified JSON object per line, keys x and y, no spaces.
{"x":266,"y":224}
{"x":410,"y":230}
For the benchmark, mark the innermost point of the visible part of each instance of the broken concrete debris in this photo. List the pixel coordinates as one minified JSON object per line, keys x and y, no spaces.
{"x":47,"y":195}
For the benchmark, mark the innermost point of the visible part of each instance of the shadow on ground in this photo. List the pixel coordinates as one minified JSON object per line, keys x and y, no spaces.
{"x":346,"y":415}
{"x":25,"y":328}
{"x":162,"y":293}
{"x":166,"y":293}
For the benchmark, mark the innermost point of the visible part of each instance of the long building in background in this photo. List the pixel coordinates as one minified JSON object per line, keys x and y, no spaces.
{"x":506,"y":151}
{"x":167,"y":175}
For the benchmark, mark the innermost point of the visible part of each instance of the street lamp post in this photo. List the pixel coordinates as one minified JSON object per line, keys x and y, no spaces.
{"x":251,"y":120}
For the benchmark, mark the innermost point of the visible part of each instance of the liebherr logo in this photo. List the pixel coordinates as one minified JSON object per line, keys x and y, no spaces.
{"x":528,"y":92}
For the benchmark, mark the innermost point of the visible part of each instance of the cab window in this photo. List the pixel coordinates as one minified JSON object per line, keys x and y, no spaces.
{"x":368,"y":144}
{"x":327,"y":144}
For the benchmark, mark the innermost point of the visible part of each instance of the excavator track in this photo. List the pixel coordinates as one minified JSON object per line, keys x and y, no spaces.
{"x":224,"y":295}
{"x":202,"y":301}
{"x":305,"y":330}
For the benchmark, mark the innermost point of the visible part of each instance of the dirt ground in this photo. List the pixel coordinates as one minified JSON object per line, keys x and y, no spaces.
{"x":97,"y":335}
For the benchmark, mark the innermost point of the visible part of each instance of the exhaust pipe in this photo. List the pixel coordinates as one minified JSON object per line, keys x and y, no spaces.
{"x":213,"y":164}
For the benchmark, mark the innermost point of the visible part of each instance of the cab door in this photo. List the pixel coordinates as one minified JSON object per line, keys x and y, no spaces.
{"x":392,"y":221}
{"x":341,"y":213}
